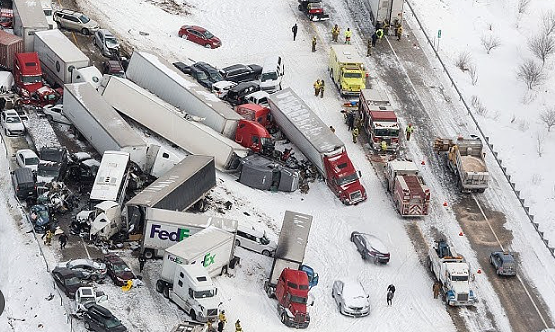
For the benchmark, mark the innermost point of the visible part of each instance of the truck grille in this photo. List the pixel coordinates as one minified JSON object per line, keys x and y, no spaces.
{"x":462,"y":297}
{"x":212,"y":312}
{"x":355,"y":196}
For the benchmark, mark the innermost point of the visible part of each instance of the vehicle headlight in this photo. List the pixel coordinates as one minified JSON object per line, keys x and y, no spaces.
{"x":450,"y":294}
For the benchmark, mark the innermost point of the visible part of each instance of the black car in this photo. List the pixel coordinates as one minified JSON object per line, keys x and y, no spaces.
{"x":236,"y":95}
{"x":82,"y":168}
{"x":241,"y":73}
{"x":24,"y":183}
{"x":68,"y":280}
{"x":97,"y":318}
{"x":212,"y":73}
{"x":118,"y":270}
{"x":202,"y":72}
{"x":182,"y":67}
{"x":370,"y":247}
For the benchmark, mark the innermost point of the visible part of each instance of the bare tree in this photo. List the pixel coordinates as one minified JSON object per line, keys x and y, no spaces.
{"x":539,"y":143}
{"x":463,"y":61}
{"x":548,"y":21}
{"x":490,"y":42}
{"x":542,"y":46}
{"x":530,"y":73}
{"x":522,"y":6}
{"x":478,"y":106}
{"x":473,"y":74}
{"x":548,"y":117}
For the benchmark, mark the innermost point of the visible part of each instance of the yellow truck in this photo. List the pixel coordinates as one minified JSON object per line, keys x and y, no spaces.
{"x":346,"y":70}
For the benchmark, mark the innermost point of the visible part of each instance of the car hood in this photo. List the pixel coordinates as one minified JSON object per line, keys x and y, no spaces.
{"x":357,"y":302}
{"x":44,"y":179}
{"x":126,"y":275}
{"x":268,"y":84}
{"x":15,"y":126}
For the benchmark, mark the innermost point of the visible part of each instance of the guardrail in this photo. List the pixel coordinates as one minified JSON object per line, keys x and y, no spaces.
{"x":482,"y":133}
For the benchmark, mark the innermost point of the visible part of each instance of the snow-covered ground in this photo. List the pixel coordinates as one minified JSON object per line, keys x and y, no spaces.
{"x":253,"y":30}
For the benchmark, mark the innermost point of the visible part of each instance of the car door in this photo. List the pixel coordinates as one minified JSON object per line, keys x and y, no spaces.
{"x":194,"y":36}
{"x":497,"y":262}
{"x":99,"y":40}
{"x":358,"y":243}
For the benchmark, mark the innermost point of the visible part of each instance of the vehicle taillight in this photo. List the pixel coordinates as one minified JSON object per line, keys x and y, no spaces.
{"x":376,"y":139}
{"x":395,"y":140}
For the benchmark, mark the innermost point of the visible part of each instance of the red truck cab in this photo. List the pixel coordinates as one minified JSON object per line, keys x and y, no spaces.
{"x":343,"y":179}
{"x":292,"y":295}
{"x":27,"y":72}
{"x":258,"y":113}
{"x":254,"y":136}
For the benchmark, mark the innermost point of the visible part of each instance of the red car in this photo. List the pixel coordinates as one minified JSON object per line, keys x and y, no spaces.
{"x":200,"y":36}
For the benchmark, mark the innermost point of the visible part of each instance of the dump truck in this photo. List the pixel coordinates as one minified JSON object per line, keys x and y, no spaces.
{"x":452,"y":271}
{"x":410,"y":195}
{"x":286,"y":281}
{"x":347,"y":70}
{"x":313,"y":9}
{"x":466,"y":159}
{"x":319,"y":144}
{"x":379,"y":120}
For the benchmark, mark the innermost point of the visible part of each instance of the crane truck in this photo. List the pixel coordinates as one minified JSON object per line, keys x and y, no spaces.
{"x":452,"y":272}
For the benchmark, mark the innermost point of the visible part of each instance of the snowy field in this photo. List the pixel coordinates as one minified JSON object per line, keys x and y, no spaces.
{"x":253,"y":30}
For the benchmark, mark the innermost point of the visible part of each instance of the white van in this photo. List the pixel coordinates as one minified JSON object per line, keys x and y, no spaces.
{"x":272,"y":74}
{"x":251,"y":239}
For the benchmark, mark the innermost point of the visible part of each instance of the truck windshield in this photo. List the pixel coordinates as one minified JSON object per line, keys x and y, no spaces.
{"x":31,"y":79}
{"x":204,"y":294}
{"x":269,"y":77}
{"x":386,"y":132}
{"x":48,"y":171}
{"x":298,"y":299}
{"x":47,"y":12}
{"x":347,"y":179}
{"x":459,"y":278}
{"x":352,"y":75}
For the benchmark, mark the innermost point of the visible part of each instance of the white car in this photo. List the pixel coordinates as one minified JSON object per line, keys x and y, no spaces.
{"x":258,"y":97}
{"x":221,"y":88}
{"x":27,"y":158}
{"x":255,"y":241}
{"x":11,"y":122}
{"x":55,"y":113}
{"x":351,"y":298}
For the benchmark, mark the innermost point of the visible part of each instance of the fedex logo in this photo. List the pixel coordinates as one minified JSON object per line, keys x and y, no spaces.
{"x":176,"y":236}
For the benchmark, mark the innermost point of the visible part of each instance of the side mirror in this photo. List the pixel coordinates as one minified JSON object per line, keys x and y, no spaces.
{"x":311,"y":303}
{"x":359,"y":174}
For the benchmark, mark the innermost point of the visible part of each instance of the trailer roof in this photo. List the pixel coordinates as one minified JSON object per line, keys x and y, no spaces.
{"x":59,"y":43}
{"x":31,"y":14}
{"x":375,"y":96}
{"x":403,"y":165}
{"x":9,"y":38}
{"x":347,"y":54}
{"x":110,"y":174}
{"x":104,"y":114}
{"x":293,"y":237}
{"x":196,"y":89}
{"x":172,"y":179}
{"x":299,"y":114}
{"x":195,"y":245}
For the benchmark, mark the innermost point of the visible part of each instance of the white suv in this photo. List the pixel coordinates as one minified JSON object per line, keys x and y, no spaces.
{"x":73,"y":20}
{"x":255,"y":241}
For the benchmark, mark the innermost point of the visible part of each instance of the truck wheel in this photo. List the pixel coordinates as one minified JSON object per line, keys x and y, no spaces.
{"x":159,"y":286}
{"x":149,"y":254}
{"x":300,"y":8}
{"x":283,"y":318}
{"x":193,"y":314}
{"x":270,"y":292}
{"x":166,"y":292}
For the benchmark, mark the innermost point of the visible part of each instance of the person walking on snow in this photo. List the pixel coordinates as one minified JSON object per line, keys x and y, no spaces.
{"x":221,"y":321}
{"x":409,"y":131}
{"x":390,"y":293}
{"x":348,"y":35}
{"x":322,"y":86}
{"x":238,"y":327}
{"x":379,"y":34}
{"x":391,"y":288}
{"x":48,"y":235}
{"x":316,"y":87}
{"x":399,"y":32}
{"x":332,"y":129}
{"x":374,"y":39}
{"x":63,"y":241}
{"x":350,"y":120}
{"x":142,"y":261}
{"x":313,"y":44}
{"x":335,"y":33}
{"x":355,"y":135}
{"x":294,"y":30}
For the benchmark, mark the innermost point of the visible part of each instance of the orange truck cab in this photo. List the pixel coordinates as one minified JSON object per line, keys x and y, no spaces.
{"x":292,"y":295}
{"x":254,"y":136}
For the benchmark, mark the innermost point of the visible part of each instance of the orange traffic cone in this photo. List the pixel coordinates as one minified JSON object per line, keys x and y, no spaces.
{"x":461,"y":233}
{"x":423,"y":162}
{"x":445,"y":203}
{"x":479,"y":271}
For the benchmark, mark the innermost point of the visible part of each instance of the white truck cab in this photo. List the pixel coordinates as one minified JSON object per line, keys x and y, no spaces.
{"x":272,"y":74}
{"x":195,"y":293}
{"x":105,"y":219}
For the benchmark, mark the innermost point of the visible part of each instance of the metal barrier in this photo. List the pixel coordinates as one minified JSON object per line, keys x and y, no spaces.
{"x":490,"y":145}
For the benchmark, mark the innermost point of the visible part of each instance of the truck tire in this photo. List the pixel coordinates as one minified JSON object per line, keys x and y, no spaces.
{"x":166,"y":292}
{"x":159,"y":286}
{"x":283,"y":318}
{"x":49,"y":117}
{"x":270,"y":292}
{"x":237,"y":243}
{"x":300,"y":8}
{"x":266,"y":253}
{"x":193,"y":314}
{"x":149,"y":254}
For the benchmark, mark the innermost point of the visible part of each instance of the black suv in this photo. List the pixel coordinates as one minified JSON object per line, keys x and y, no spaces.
{"x":241,"y":73}
{"x":202,"y":72}
{"x":24,"y":183}
{"x":236,"y":95}
{"x":97,"y":318}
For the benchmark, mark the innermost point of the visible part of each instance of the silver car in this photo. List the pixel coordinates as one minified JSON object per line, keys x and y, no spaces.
{"x":370,"y":247}
{"x":72,"y":20}
{"x":91,"y":270}
{"x":13,"y":126}
{"x":106,"y":42}
{"x":351,"y":298}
